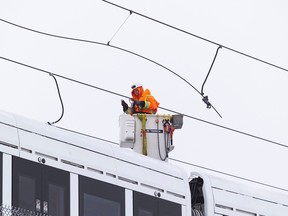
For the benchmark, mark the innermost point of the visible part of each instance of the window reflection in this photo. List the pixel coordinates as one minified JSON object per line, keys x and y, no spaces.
{"x":97,"y":206}
{"x":56,"y":200}
{"x":99,"y":198}
{"x":27,"y":193}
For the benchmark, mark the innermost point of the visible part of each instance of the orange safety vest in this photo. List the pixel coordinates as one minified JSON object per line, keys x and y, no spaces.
{"x":151,"y":104}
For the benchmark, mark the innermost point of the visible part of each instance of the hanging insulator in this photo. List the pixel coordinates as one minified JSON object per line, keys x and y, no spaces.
{"x":206,"y":101}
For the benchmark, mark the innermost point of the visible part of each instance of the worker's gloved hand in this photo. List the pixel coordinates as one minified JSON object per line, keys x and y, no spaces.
{"x":124,"y":105}
{"x":141,"y":104}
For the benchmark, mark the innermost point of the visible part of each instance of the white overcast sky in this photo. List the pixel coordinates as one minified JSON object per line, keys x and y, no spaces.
{"x":251,"y":96}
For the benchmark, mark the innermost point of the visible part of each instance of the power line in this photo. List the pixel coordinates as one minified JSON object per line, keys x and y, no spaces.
{"x":103,"y":44}
{"x":197,"y":36}
{"x":88,"y":85}
{"x":115,"y":47}
{"x":188,"y":116}
{"x":105,"y":90}
{"x":163,"y":108}
{"x":119,"y":28}
{"x":63,"y":77}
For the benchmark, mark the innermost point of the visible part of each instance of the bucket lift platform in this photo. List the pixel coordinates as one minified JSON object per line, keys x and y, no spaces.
{"x":149,"y":134}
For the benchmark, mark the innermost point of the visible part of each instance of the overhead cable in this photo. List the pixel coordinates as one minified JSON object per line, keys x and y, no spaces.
{"x":163,"y":108}
{"x":205,"y":98}
{"x":103,"y":44}
{"x":202,"y":88}
{"x":108,"y":45}
{"x":60,"y":98}
{"x":197,"y":36}
{"x":130,"y":13}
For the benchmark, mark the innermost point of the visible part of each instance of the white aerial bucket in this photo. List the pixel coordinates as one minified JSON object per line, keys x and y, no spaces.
{"x":149,"y":134}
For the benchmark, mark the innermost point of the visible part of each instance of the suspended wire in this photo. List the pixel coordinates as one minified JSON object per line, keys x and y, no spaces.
{"x":130,"y":13}
{"x":188,"y":116}
{"x":163,"y":108}
{"x":199,"y":37}
{"x":205,"y":98}
{"x":104,"y":44}
{"x":63,"y":77}
{"x":228,"y":128}
{"x":111,"y":92}
{"x":79,"y":82}
{"x":60,"y":98}
{"x":112,"y":46}
{"x":202,"y":88}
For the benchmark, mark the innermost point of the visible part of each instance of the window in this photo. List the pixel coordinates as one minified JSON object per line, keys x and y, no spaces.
{"x":99,"y":198}
{"x":39,"y":188}
{"x":145,"y":205}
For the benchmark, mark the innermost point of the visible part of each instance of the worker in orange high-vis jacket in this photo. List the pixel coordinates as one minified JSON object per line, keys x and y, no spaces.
{"x":143,"y":101}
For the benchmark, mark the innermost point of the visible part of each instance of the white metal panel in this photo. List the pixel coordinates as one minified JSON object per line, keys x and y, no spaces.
{"x":7,"y":180}
{"x":226,"y":201}
{"x":238,"y":198}
{"x":127,"y":131}
{"x":83,"y":155}
{"x":128,"y":202}
{"x":72,"y":158}
{"x":8,"y":137}
{"x":250,"y":189}
{"x":65,"y":136}
{"x":94,"y":158}
{"x":186,"y":211}
{"x":149,"y":163}
{"x":150,"y":175}
{"x":74,"y":195}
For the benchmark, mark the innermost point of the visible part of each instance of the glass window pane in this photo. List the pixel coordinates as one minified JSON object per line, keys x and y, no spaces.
{"x":167,"y":208}
{"x":56,"y":191}
{"x":97,"y":206}
{"x":56,"y":201}
{"x":144,"y":212}
{"x":99,"y":198}
{"x":27,"y":193}
{"x":144,"y":205}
